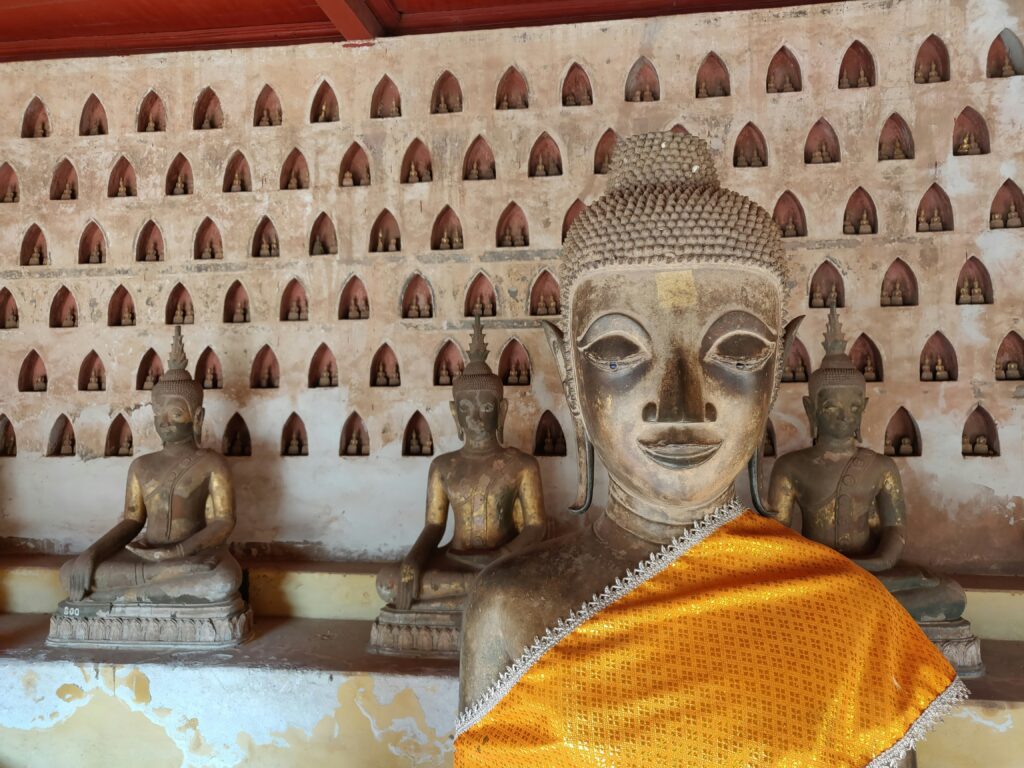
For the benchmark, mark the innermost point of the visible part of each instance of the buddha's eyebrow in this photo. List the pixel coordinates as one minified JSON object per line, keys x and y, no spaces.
{"x":740,"y":319}
{"x":614,"y":321}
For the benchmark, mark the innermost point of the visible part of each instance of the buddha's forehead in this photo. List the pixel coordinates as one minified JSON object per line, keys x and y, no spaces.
{"x":169,"y":401}
{"x":700,"y":293}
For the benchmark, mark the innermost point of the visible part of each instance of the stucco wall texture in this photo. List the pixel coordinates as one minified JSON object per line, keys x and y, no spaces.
{"x":964,"y":512}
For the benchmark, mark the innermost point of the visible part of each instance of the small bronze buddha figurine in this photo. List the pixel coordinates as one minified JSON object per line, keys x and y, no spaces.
{"x":163,"y":576}
{"x":496,"y":497}
{"x":847,"y":497}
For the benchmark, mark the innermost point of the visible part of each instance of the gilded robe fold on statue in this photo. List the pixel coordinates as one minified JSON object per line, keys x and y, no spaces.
{"x":741,"y":645}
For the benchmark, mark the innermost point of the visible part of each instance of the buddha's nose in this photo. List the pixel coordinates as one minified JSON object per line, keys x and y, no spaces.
{"x":680,"y":395}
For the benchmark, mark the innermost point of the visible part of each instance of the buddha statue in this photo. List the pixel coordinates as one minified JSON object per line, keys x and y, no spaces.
{"x":163,"y":576}
{"x":847,"y":497}
{"x":496,"y":499}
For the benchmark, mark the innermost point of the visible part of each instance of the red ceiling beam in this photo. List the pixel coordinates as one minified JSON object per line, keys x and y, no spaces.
{"x":352,"y":18}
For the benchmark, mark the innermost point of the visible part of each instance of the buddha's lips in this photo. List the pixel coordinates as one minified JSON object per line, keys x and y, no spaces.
{"x":678,"y":455}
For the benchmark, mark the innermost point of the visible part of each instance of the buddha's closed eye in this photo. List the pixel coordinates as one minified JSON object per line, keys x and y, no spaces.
{"x":615,"y":351}
{"x":741,"y":351}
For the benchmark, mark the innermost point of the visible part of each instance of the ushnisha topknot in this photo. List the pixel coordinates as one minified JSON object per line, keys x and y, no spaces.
{"x":664,"y":205}
{"x":836,"y":369}
{"x":177,"y":381}
{"x":478,"y":376}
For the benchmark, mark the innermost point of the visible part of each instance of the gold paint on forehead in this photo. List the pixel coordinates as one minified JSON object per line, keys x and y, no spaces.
{"x":676,"y":289}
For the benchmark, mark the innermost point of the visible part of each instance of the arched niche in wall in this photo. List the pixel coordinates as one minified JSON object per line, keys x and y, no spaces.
{"x":798,"y":364}
{"x":179,"y":177}
{"x":236,"y":441}
{"x":152,"y":115}
{"x":355,"y":167}
{"x":902,"y":437}
{"x":209,"y":371}
{"x":355,"y":440}
{"x":179,"y":309}
{"x":9,"y":191}
{"x":545,"y":157}
{"x":712,"y":78}
{"x":935,"y":212}
{"x":642,"y":82}
{"x":895,"y":142}
{"x":385,"y":234}
{"x":512,"y":91}
{"x":974,"y":284}
{"x":932,"y":62}
{"x":575,"y":210}
{"x":93,"y":121}
{"x":207,"y":244}
{"x":34,"y":252}
{"x":449,"y":364}
{"x":294,"y":440}
{"x":751,"y":150}
{"x":323,"y":368}
{"x":384,"y":371}
{"x":8,"y":438}
{"x":9,"y":317}
{"x":548,"y":438}
{"x":294,"y":302}
{"x":417,"y":298}
{"x":970,"y":134}
{"x":822,"y":145}
{"x":1010,"y":358}
{"x":324,"y":107}
{"x":938,"y":359}
{"x":512,"y":230}
{"x":295,"y":171}
{"x":603,"y":151}
{"x":866,"y":358}
{"x":92,"y":245}
{"x":354,"y":303}
{"x":481,"y":298}
{"x":122,"y":181}
{"x":899,"y":286}
{"x":267,"y":112}
{"x":151,"y":368}
{"x":265,"y":243}
{"x":121,"y":308}
{"x":386,"y":100}
{"x":416,"y":164}
{"x":860,"y":217}
{"x":63,"y":309}
{"x":479,"y":162}
{"x":1007,"y":207}
{"x":789,"y":215}
{"x":236,"y":304}
{"x":980,"y":434}
{"x":447,"y":95}
{"x":826,"y":287}
{"x":416,"y":439}
{"x":576,"y":88}
{"x":32,"y":376}
{"x":207,"y":113}
{"x":36,"y":122}
{"x":149,"y":244}
{"x":64,"y":182}
{"x":447,"y":231}
{"x":1005,"y":56}
{"x":266,"y":371}
{"x":92,"y":375}
{"x":323,"y":237}
{"x":783,"y":73}
{"x":857,"y":69}
{"x":237,"y":176}
{"x":61,"y":442}
{"x":514,"y":364}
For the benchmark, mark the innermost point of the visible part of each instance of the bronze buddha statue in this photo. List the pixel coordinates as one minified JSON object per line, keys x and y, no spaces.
{"x":495,"y":495}
{"x":163,"y":576}
{"x":850,"y":498}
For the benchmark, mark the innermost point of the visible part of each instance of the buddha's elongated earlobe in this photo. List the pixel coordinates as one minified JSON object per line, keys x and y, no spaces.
{"x":789,"y":335}
{"x":754,"y":475}
{"x":584,"y":448}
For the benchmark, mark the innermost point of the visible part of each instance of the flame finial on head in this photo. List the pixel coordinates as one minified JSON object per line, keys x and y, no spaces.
{"x":836,"y":369}
{"x":478,"y":376}
{"x":834,"y":342}
{"x":177,"y":381}
{"x":177,"y":360}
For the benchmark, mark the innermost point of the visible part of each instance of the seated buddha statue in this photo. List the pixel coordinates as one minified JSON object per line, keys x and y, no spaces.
{"x":674,"y":628}
{"x":163,"y":575}
{"x":847,"y":497}
{"x":495,"y":496}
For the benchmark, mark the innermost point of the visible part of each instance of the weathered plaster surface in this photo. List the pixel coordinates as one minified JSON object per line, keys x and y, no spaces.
{"x":964,"y":514}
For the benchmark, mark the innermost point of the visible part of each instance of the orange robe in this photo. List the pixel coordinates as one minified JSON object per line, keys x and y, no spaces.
{"x":742,"y":645}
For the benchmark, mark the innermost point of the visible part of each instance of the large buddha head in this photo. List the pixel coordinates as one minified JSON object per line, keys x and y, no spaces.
{"x":178,"y":411}
{"x":672,"y":337}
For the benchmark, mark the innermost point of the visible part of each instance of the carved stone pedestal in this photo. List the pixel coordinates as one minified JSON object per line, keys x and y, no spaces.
{"x":417,"y":633}
{"x":958,"y":644}
{"x":95,"y":624}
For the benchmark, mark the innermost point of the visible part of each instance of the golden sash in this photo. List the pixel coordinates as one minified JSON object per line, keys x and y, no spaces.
{"x":742,"y":645}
